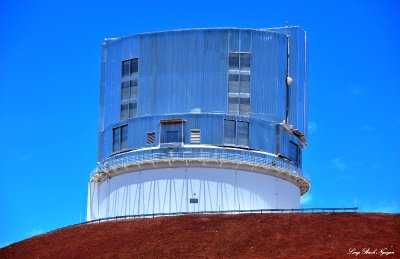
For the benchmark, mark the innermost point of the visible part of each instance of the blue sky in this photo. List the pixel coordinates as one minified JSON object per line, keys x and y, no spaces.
{"x":49,"y":82}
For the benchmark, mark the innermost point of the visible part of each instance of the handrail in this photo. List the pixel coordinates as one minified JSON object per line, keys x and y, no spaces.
{"x":198,"y":154}
{"x":152,"y":215}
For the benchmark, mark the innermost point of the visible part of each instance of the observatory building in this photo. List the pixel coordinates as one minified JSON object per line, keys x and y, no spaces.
{"x":201,"y":120}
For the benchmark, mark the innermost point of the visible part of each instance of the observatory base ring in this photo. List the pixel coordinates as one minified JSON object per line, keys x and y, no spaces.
{"x":210,"y":179}
{"x":189,"y":189}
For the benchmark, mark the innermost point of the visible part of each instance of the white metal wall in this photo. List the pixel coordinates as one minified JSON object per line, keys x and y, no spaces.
{"x":170,"y":190}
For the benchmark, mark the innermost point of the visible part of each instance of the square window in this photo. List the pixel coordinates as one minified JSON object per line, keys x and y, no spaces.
{"x":234,"y":61}
{"x":236,"y":133}
{"x":125,"y":68}
{"x":172,"y":131}
{"x":125,"y":90}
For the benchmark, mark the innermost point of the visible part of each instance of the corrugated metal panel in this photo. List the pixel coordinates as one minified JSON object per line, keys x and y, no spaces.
{"x":182,"y":71}
{"x":187,"y":71}
{"x":234,"y":40}
{"x":262,"y":134}
{"x":117,"y":51}
{"x":103,"y":73}
{"x":298,"y":66}
{"x":297,"y":86}
{"x":301,"y":81}
{"x":284,"y":145}
{"x":305,"y":64}
{"x":268,"y":73}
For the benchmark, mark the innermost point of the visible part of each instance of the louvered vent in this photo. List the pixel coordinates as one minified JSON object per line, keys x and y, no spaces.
{"x":195,"y":136}
{"x":151,"y":137}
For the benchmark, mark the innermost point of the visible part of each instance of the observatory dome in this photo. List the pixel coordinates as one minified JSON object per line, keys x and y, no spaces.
{"x":201,"y":120}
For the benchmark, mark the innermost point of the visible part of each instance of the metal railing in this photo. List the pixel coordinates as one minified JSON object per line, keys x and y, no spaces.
{"x":152,"y":215}
{"x":221,"y":155}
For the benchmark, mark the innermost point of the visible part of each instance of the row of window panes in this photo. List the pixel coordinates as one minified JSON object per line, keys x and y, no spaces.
{"x":130,"y":67}
{"x":239,"y":83}
{"x":128,"y":110}
{"x":129,"y":89}
{"x":239,"y":61}
{"x":120,"y":137}
{"x":239,"y":105}
{"x":236,"y":133}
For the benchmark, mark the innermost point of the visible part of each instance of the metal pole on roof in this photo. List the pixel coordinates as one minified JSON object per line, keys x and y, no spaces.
{"x":288,"y":79}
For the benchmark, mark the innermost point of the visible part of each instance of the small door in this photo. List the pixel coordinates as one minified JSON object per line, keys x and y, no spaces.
{"x":172,"y":136}
{"x":172,"y":131}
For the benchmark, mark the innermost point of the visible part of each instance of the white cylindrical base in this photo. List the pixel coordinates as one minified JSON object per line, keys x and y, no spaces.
{"x":189,"y":189}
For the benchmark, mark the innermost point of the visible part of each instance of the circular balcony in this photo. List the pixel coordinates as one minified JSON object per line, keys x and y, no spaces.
{"x":201,"y":157}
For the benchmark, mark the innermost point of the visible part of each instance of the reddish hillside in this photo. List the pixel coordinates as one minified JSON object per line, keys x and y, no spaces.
{"x":207,"y":236}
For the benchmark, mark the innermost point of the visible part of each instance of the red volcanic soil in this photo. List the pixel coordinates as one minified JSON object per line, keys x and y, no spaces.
{"x":297,"y":235}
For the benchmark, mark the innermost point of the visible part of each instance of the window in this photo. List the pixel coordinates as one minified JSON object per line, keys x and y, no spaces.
{"x":236,"y":133}
{"x":120,"y":138}
{"x":239,"y":83}
{"x":229,"y":132}
{"x":129,"y":88}
{"x":151,"y":136}
{"x":125,"y":68}
{"x":293,"y":152}
{"x":242,"y":129}
{"x":195,"y":136}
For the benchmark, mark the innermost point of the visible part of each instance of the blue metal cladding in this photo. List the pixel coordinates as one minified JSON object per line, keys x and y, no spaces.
{"x":183,"y":71}
{"x":139,"y":127}
{"x":183,"y":75}
{"x":268,"y":76}
{"x":298,"y":71}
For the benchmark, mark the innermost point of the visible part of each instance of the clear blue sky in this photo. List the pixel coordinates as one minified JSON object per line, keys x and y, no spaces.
{"x":49,"y":82}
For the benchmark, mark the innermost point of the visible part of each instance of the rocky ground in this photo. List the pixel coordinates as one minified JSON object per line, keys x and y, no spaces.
{"x":288,"y":235}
